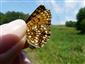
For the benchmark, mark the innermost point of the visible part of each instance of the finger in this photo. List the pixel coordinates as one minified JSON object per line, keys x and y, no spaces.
{"x":21,"y":59}
{"x":16,"y":27}
{"x":9,"y":55}
{"x":10,"y":38}
{"x":7,"y":42}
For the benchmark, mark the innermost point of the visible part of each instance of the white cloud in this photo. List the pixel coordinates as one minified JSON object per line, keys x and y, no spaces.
{"x":62,"y":23}
{"x":71,"y":8}
{"x":70,"y":4}
{"x":56,"y":7}
{"x":76,"y":11}
{"x":53,"y":4}
{"x":82,"y":3}
{"x":39,"y":2}
{"x":67,"y":18}
{"x":68,"y":9}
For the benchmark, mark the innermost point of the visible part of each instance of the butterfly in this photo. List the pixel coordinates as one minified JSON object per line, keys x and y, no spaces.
{"x":38,"y":27}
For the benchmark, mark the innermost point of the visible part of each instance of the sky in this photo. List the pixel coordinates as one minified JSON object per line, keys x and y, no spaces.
{"x":61,"y":10}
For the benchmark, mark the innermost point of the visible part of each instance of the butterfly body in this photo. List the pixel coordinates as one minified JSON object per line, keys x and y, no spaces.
{"x":38,"y":27}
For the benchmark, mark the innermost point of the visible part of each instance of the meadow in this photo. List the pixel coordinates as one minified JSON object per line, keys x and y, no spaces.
{"x":65,"y":46}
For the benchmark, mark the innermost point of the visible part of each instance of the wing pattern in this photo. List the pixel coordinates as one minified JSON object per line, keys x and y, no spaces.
{"x":38,"y":27}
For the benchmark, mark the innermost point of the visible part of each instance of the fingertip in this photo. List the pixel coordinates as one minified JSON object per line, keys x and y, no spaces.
{"x":16,"y":27}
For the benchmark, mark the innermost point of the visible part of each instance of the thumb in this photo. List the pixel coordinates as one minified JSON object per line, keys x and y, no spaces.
{"x":12,"y":39}
{"x":11,"y":34}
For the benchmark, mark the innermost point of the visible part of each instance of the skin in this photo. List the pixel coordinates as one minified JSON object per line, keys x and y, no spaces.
{"x":12,"y":41}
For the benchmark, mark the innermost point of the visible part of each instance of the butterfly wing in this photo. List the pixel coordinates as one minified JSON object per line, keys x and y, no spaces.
{"x":38,"y":27}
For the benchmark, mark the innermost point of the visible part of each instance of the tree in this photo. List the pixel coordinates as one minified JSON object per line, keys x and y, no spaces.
{"x":80,"y":19}
{"x":10,"y":16}
{"x":1,"y":18}
{"x":70,"y":23}
{"x":82,"y":23}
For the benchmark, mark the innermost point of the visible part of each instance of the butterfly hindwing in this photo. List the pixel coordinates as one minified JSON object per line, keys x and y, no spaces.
{"x":38,"y":27}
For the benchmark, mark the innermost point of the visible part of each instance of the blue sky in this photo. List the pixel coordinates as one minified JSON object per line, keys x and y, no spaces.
{"x":61,"y":10}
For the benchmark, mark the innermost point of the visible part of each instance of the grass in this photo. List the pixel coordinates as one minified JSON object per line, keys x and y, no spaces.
{"x":65,"y":46}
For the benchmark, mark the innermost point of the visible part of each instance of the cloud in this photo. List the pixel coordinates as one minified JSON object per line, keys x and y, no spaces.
{"x":63,"y":10}
{"x":67,"y":18}
{"x":70,"y":4}
{"x":52,"y":3}
{"x":82,"y":3}
{"x":39,"y":2}
{"x":73,"y":7}
{"x":56,"y":7}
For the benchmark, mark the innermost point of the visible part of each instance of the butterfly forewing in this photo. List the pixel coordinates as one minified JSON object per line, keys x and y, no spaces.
{"x":38,"y":27}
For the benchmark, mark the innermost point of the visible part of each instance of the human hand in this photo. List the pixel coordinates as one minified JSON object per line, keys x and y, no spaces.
{"x":12,"y":40}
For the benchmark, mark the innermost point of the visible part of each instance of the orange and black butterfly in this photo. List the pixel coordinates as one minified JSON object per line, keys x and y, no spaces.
{"x":38,"y":27}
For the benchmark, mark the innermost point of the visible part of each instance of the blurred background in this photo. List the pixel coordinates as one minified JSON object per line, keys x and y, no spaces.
{"x":67,"y":42}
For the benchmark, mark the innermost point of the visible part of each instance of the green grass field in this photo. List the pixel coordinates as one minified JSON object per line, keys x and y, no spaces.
{"x":65,"y":46}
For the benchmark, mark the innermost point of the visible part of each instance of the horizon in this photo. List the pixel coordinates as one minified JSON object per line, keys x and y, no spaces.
{"x":61,"y":11}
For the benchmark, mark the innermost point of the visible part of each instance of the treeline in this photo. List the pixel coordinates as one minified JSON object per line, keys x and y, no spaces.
{"x":80,"y":23}
{"x":70,"y":23}
{"x":12,"y":15}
